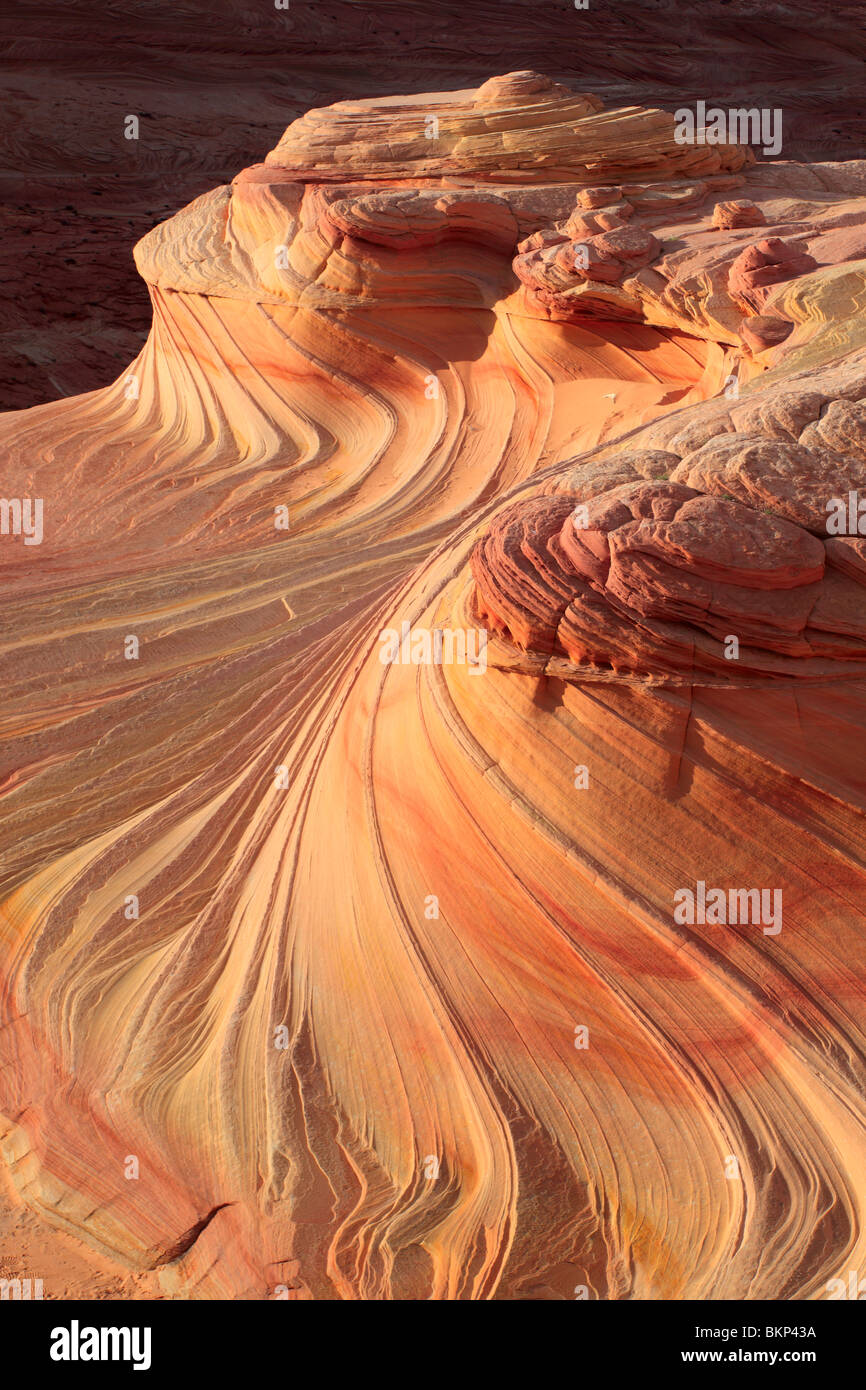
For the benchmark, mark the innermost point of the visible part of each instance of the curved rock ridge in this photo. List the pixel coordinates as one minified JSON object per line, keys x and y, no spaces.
{"x":522,"y":126}
{"x":498,"y":164}
{"x":500,"y":198}
{"x":332,"y":969}
{"x":83,"y":316}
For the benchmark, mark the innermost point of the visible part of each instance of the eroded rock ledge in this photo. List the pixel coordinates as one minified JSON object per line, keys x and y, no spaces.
{"x":647,"y":565}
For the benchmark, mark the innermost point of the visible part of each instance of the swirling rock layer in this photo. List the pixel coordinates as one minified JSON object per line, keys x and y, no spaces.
{"x":214,"y":90}
{"x":325,"y":976}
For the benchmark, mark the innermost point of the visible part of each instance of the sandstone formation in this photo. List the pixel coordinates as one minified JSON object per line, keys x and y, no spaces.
{"x":214,"y":86}
{"x":324,"y":976}
{"x":738,"y":212}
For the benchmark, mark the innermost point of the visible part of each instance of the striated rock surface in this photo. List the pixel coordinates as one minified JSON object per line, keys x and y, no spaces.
{"x":763,"y":265}
{"x":330,"y":975}
{"x":649,"y":579}
{"x":737,"y":212}
{"x":214,"y":92}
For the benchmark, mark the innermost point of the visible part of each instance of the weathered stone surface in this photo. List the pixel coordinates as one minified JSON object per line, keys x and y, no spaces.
{"x":737,"y":212}
{"x":377,"y":901}
{"x":214,"y":93}
{"x":767,"y":263}
{"x":765,"y":331}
